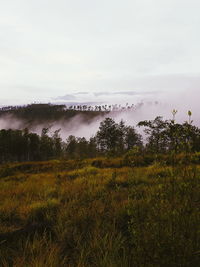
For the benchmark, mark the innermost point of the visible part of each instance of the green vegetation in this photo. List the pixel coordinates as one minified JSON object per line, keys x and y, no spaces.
{"x":71,"y":213}
{"x":164,"y":137}
{"x":17,"y":145}
{"x":112,"y":200}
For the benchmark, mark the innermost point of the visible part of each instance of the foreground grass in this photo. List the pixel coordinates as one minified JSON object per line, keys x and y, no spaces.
{"x":73,"y":214}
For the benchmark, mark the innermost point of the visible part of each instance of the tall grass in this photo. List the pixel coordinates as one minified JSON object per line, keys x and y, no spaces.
{"x":108,"y":216}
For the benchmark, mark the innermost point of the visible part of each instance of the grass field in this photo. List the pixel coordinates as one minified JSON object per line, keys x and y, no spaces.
{"x":70,"y":213}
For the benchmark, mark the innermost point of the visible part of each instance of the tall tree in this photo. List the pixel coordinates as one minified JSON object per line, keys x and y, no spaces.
{"x":108,"y":135}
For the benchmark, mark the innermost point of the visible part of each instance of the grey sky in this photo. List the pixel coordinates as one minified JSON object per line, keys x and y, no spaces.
{"x":50,"y":48}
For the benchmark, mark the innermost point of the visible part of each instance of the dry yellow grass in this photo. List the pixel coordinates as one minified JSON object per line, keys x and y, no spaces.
{"x":88,"y":216}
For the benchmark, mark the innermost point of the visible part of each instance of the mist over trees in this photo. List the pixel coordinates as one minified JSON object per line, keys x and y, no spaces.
{"x":42,"y":115}
{"x":46,"y":114}
{"x":112,"y":138}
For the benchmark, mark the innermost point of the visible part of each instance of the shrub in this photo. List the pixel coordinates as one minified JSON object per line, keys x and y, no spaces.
{"x":108,"y":163}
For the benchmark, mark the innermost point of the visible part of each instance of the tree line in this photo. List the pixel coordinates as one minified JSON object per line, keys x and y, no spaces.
{"x":112,"y":138}
{"x":46,"y":113}
{"x":75,"y":107}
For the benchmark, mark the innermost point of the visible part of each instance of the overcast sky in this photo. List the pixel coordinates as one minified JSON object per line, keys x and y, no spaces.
{"x":74,"y":49}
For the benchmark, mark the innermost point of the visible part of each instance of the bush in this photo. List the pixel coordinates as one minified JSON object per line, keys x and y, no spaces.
{"x":108,"y":163}
{"x":132,"y":160}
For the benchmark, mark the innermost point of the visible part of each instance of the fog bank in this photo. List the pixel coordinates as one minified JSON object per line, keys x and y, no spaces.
{"x":146,"y":109}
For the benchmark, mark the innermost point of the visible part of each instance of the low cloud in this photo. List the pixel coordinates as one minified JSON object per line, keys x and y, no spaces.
{"x":66,"y":97}
{"x":82,"y":93}
{"x":86,"y":97}
{"x":81,"y":126}
{"x":128,"y":93}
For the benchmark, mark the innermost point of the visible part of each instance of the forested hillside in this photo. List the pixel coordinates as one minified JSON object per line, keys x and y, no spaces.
{"x":42,"y":113}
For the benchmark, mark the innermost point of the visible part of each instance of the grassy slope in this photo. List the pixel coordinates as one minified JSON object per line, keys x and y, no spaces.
{"x":72,"y":214}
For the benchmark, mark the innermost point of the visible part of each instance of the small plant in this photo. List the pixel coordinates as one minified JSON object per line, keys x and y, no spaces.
{"x":112,"y":182}
{"x":190,"y":116}
{"x":174,"y":112}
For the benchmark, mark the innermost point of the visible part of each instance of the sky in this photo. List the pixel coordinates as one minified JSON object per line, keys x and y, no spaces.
{"x":98,"y":50}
